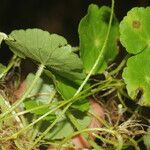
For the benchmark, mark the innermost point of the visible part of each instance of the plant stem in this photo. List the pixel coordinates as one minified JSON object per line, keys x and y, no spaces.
{"x":18,"y":145}
{"x":10,"y":65}
{"x":100,"y":120}
{"x":82,"y":95}
{"x":73,"y":121}
{"x":31,"y":124}
{"x":100,"y":57}
{"x":121,"y":100}
{"x":35,"y":108}
{"x":69,"y":102}
{"x":134,"y":144}
{"x":95,"y":145}
{"x":50,"y":127}
{"x":5,"y":105}
{"x":121,"y":65}
{"x":114,"y":133}
{"x":38,"y":74}
{"x":104,"y":140}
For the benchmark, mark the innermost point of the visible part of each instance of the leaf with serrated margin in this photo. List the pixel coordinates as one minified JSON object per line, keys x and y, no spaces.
{"x":51,"y":50}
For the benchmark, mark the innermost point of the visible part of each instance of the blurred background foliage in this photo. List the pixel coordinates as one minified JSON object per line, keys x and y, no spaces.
{"x":56,"y":16}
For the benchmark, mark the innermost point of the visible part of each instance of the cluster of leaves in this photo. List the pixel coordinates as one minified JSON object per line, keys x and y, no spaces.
{"x":134,"y":30}
{"x":64,"y":72}
{"x":63,"y":66}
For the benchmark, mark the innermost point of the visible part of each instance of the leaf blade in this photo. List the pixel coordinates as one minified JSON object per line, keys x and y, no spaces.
{"x":48,"y":49}
{"x":92,"y":32}
{"x":137,"y":78}
{"x":135,"y":26}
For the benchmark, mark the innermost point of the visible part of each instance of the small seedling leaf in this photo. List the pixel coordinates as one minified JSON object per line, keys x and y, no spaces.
{"x":135,"y":30}
{"x":92,"y":33}
{"x":137,"y":77}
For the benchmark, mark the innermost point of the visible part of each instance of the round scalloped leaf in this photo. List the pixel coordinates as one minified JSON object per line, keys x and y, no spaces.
{"x":135,"y":30}
{"x":48,"y":49}
{"x":92,"y":33}
{"x":137,"y":77}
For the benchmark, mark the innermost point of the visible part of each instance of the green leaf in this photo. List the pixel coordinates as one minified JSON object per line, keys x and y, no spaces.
{"x":43,"y":91}
{"x":67,"y":89}
{"x":81,"y":105}
{"x":62,"y":128}
{"x":5,"y":106}
{"x":135,"y":30}
{"x":65,"y":128}
{"x":146,"y":139}
{"x":51,"y":50}
{"x":32,"y":104}
{"x":135,"y":37}
{"x":92,"y":33}
{"x":42,"y":94}
{"x":82,"y":118}
{"x":137,"y":77}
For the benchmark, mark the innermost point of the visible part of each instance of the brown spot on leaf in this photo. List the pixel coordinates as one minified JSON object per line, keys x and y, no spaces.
{"x":136,"y":24}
